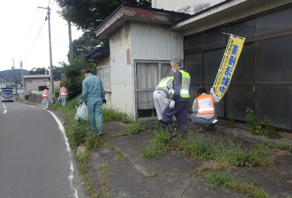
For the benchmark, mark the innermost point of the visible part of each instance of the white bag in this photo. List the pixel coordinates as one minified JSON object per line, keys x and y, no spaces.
{"x":82,"y":113}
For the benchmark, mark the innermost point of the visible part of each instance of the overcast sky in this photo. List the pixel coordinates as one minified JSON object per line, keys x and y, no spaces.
{"x":24,"y":34}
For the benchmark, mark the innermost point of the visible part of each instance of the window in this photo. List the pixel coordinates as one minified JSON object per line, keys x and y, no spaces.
{"x":104,"y":74}
{"x":148,"y":75}
{"x":275,"y":21}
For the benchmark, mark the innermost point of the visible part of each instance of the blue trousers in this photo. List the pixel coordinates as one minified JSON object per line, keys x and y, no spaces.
{"x":180,"y":111}
{"x":95,"y":115}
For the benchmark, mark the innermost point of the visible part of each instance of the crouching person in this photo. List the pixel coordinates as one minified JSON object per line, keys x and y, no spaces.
{"x":203,"y":109}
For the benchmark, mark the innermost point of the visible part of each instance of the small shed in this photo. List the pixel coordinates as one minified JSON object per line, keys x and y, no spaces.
{"x":141,"y":45}
{"x":32,"y":82}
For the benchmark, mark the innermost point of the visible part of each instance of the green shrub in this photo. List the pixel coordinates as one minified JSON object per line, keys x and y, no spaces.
{"x":231,"y":120}
{"x":269,"y":125}
{"x":253,"y":121}
{"x":76,"y":133}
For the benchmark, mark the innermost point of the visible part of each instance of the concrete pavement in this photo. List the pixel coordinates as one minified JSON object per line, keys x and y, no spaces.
{"x":174,"y":173}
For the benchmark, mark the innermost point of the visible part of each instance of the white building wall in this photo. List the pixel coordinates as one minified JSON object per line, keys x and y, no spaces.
{"x":186,"y":6}
{"x":122,"y":74}
{"x":155,"y":42}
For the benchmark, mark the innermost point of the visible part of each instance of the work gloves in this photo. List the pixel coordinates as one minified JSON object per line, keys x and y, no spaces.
{"x":171,"y":104}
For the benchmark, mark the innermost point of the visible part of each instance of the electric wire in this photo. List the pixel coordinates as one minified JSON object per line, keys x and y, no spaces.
{"x":40,"y":31}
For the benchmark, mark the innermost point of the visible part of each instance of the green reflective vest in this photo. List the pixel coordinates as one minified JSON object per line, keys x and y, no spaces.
{"x":163,"y":82}
{"x":185,"y":84}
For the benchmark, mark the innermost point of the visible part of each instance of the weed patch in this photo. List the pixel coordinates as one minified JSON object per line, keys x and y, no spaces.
{"x":121,"y":156}
{"x":158,"y":145}
{"x":253,"y":121}
{"x":136,"y":127}
{"x":112,"y":115}
{"x":197,"y":148}
{"x":222,"y":179}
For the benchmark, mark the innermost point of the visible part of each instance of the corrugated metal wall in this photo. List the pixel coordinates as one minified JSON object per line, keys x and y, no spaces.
{"x":155,"y":42}
{"x":122,"y":74}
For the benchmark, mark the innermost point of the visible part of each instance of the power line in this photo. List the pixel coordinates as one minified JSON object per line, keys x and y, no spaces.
{"x":40,"y":30}
{"x":33,"y":23}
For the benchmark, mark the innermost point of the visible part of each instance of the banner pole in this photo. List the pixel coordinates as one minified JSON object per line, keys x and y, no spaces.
{"x":234,"y":35}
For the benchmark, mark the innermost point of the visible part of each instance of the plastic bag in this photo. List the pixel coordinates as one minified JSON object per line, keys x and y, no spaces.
{"x":82,"y":113}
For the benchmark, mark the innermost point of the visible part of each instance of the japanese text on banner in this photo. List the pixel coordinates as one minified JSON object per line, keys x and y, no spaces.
{"x":228,"y":65}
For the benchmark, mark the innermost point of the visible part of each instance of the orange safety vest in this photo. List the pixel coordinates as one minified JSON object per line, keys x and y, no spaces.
{"x":45,"y":93}
{"x":63,"y":91}
{"x":205,"y":104}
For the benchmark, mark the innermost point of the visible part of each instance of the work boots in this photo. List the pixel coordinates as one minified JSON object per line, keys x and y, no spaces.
{"x":172,"y":133}
{"x":184,"y":132}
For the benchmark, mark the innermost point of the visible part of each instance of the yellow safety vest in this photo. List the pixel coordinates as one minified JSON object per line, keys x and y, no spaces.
{"x":163,"y":82}
{"x":185,"y":84}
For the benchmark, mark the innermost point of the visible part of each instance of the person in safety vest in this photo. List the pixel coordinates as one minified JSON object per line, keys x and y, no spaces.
{"x":45,"y":101}
{"x":180,"y":100}
{"x":161,"y":94}
{"x":63,"y":94}
{"x":203,"y":109}
{"x":92,"y":89}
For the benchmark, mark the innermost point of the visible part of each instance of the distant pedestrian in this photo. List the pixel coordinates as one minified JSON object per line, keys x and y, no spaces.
{"x":45,"y":101}
{"x":161,"y":94}
{"x":203,"y":109}
{"x":92,"y":89}
{"x":179,"y":102}
{"x":63,"y":95}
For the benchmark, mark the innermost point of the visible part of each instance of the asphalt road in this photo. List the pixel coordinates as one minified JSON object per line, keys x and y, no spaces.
{"x":35,"y":159}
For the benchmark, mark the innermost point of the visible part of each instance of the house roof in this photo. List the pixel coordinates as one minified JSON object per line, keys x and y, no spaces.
{"x":127,"y":12}
{"x":36,"y":76}
{"x":224,"y":12}
{"x":91,"y":56}
{"x":2,"y":80}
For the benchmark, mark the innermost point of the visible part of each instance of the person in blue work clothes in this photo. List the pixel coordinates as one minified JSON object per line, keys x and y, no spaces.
{"x":180,"y":100}
{"x":92,"y":89}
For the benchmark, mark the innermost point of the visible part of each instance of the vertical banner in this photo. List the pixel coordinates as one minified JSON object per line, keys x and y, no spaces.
{"x":227,"y":67}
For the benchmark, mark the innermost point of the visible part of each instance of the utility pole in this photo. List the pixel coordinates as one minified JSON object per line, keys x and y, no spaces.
{"x":51,"y":66}
{"x":13,"y":67}
{"x":70,"y":41}
{"x":22,"y":81}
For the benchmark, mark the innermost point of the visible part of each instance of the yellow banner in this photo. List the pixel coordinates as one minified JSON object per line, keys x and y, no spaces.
{"x":227,"y":67}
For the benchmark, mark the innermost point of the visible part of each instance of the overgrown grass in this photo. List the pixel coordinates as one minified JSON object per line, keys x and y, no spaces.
{"x":112,"y":115}
{"x":226,"y":155}
{"x":158,"y":146}
{"x":257,"y":155}
{"x":197,"y":148}
{"x":222,"y":179}
{"x":136,"y":127}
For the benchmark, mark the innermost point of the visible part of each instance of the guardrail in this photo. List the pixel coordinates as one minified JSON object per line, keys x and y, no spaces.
{"x":36,"y":92}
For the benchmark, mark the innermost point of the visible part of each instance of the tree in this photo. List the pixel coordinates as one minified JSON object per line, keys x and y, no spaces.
{"x":74,"y":75}
{"x":88,"y":14}
{"x":42,"y":70}
{"x":84,"y":45}
{"x":39,"y":70}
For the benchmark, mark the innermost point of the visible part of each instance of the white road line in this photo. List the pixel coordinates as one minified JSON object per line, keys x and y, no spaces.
{"x":71,"y":176}
{"x":5,"y":111}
